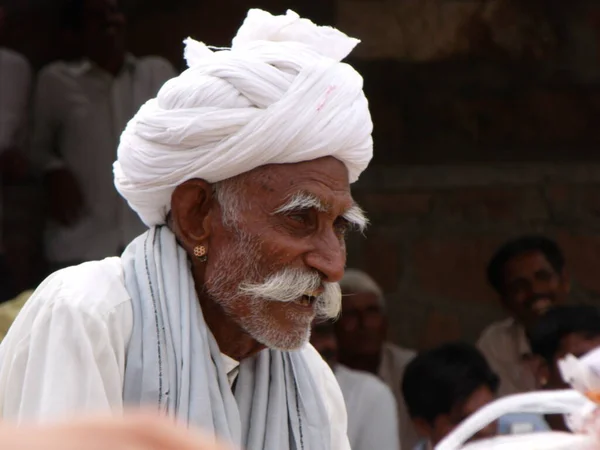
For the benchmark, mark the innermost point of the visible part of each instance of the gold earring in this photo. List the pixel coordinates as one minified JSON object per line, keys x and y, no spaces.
{"x":200,"y":253}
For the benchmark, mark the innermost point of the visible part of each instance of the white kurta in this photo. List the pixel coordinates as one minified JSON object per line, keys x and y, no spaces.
{"x":371,"y":406}
{"x":506,"y":348}
{"x":65,"y":352}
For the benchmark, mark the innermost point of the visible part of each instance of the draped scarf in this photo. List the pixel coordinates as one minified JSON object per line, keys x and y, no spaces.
{"x":174,"y":364}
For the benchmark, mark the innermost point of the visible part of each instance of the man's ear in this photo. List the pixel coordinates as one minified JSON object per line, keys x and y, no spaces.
{"x":191,"y":203}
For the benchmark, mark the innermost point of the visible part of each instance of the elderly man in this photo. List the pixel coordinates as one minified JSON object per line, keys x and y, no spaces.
{"x":362,"y":344}
{"x":241,"y":167}
{"x":371,"y":406}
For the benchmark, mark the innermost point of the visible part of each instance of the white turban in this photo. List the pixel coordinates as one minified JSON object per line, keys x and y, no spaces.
{"x":279,"y":95}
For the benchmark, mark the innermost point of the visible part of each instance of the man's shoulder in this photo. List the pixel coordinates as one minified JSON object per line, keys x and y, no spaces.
{"x":60,"y":75}
{"x":59,"y":68}
{"x":95,"y":287}
{"x":12,"y":60}
{"x":400,"y":355}
{"x":359,"y":380}
{"x":155,"y":64}
{"x":496,"y":330}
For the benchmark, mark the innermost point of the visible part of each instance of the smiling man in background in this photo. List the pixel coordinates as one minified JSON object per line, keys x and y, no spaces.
{"x":529,"y":275}
{"x":241,"y":167}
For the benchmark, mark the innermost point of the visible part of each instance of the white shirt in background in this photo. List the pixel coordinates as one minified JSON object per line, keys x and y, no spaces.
{"x":506,"y":348}
{"x":371,"y":407}
{"x":65,"y":352}
{"x":80,"y":111}
{"x":394,"y":360}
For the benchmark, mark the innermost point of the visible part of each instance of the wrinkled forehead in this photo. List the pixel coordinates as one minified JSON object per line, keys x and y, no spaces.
{"x":325,"y":179}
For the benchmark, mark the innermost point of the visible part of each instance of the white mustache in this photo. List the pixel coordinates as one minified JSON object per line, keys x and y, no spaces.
{"x":289,"y":285}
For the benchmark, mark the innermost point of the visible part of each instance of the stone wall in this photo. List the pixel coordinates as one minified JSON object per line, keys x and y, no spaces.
{"x":434,"y":229}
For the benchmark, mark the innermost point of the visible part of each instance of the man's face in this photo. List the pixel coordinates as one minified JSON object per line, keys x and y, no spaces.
{"x":361,"y":328}
{"x":532,"y":286}
{"x":277,"y":266}
{"x":103,"y":25}
{"x":323,"y":340}
{"x":444,"y":424}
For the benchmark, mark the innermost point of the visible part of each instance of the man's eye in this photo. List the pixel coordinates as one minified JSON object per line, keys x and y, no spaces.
{"x":342,"y":226}
{"x":297,"y":217}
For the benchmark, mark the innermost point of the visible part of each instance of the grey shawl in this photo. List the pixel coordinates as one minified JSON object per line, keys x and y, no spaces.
{"x":174,"y":364}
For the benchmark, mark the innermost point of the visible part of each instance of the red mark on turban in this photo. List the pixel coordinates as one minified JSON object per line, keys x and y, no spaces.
{"x":328,"y":92}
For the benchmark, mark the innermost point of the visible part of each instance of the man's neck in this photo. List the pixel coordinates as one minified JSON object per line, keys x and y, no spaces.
{"x":232,"y":340}
{"x":366,"y":363}
{"x":111,"y":63}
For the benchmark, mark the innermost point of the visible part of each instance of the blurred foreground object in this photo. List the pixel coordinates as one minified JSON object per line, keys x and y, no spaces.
{"x":580,"y":405}
{"x":135,"y":432}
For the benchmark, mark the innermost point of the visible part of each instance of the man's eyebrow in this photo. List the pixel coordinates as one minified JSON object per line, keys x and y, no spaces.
{"x":302,"y":201}
{"x":305,"y":200}
{"x":356,"y":216}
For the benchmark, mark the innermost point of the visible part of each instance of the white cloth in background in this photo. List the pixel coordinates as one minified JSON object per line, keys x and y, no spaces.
{"x":394,"y":360}
{"x":507,"y":351}
{"x":279,"y":95}
{"x":67,"y":351}
{"x":15,"y":86}
{"x":80,"y":111}
{"x":371,"y":407}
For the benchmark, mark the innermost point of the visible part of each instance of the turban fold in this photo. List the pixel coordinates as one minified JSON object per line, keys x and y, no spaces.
{"x":279,"y":95}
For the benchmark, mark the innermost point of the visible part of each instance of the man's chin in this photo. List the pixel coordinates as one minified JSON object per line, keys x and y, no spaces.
{"x":281,"y":340}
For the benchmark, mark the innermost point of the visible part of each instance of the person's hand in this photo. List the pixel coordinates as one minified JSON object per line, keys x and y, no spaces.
{"x":136,"y":432}
{"x":64,"y":196}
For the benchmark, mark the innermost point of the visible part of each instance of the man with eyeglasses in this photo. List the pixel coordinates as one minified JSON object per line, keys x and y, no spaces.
{"x":362,"y":342}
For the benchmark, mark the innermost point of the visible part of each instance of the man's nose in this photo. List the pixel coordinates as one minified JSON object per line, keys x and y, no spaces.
{"x":328,"y":256}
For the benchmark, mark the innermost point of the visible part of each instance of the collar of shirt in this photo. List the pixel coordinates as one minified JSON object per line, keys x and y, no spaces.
{"x":86,"y":65}
{"x":231,"y":366}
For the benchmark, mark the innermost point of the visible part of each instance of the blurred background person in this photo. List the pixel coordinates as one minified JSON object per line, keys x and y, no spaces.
{"x":564,"y":330}
{"x":530,"y":277}
{"x":132,"y":432}
{"x":80,"y":110}
{"x":361,"y":333}
{"x":371,"y":406}
{"x":445,"y":385}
